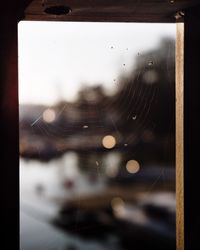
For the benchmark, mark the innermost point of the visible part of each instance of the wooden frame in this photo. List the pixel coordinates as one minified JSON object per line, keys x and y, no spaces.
{"x":179,"y":136}
{"x":142,"y":11}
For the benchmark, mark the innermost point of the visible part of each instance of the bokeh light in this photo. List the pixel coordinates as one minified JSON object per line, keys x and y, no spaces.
{"x":150,"y":77}
{"x":109,"y":141}
{"x":117,"y":204}
{"x":132,"y":166}
{"x":49,"y":115}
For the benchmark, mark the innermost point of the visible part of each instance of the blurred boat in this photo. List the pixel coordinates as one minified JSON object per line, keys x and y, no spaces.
{"x":133,"y":218}
{"x":149,"y":224}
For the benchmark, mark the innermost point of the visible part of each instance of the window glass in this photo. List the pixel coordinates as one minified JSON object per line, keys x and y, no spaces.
{"x":97,"y":136}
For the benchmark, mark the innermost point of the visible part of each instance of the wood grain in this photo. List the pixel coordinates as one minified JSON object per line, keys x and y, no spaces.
{"x":110,"y":10}
{"x":179,"y":137}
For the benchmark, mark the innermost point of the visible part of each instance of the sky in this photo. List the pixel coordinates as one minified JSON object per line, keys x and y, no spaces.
{"x":57,"y":58}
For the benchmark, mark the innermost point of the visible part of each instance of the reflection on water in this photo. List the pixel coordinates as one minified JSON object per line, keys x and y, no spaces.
{"x":87,"y":203}
{"x":44,"y":187}
{"x":58,"y":178}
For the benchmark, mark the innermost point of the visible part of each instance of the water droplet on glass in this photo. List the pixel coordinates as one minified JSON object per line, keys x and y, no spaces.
{"x":134,"y":117}
{"x":150,"y":63}
{"x":85,"y":126}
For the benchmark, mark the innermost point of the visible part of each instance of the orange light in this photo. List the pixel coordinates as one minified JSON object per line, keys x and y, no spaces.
{"x":132,"y":166}
{"x":109,"y":141}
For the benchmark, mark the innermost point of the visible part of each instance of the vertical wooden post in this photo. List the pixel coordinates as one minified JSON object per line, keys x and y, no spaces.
{"x":179,"y":136}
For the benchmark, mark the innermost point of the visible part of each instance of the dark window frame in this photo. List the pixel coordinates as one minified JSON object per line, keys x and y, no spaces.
{"x":13,"y":12}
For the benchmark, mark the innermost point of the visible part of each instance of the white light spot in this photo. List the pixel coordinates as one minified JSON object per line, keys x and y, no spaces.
{"x":85,"y":126}
{"x":49,"y":115}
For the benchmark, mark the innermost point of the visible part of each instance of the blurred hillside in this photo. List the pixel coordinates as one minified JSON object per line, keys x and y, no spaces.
{"x":140,"y":114}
